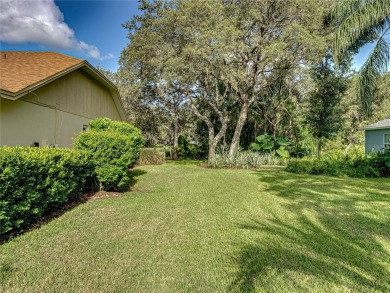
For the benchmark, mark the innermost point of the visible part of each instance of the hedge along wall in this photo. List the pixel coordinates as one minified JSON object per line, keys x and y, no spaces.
{"x":35,"y":180}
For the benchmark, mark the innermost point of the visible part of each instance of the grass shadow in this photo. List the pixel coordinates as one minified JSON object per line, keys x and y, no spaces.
{"x":133,"y":176}
{"x":330,"y":234}
{"x":185,"y":162}
{"x":47,"y":217}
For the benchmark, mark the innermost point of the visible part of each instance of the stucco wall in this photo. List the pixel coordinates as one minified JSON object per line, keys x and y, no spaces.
{"x":374,"y":139}
{"x":24,"y":123}
{"x":55,"y":113}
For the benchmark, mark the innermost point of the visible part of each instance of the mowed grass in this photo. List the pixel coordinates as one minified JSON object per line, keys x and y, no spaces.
{"x":189,"y":229}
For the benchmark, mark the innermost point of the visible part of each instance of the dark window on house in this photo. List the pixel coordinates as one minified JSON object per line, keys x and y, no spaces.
{"x":387,"y":140}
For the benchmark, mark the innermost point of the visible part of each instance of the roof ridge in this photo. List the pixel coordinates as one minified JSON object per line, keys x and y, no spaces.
{"x":32,"y":52}
{"x":22,"y":69}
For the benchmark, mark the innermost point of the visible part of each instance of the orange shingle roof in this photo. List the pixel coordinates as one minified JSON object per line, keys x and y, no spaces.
{"x":19,"y":70}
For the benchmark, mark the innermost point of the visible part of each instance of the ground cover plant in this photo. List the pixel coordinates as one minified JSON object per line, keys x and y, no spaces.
{"x":185,"y":228}
{"x":244,"y":160}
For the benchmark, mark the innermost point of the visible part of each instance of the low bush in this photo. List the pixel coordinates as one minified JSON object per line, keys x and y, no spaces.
{"x":35,"y":180}
{"x":188,"y":149}
{"x":267,"y":143}
{"x":106,"y":124}
{"x":244,"y":160}
{"x":151,"y":156}
{"x":114,"y":147}
{"x":338,"y":164}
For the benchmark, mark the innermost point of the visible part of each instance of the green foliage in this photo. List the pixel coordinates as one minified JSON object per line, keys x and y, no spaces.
{"x":151,"y":156}
{"x":35,"y":180}
{"x":324,"y":114}
{"x":268,"y":143}
{"x":338,"y":164}
{"x":114,"y":147}
{"x":106,"y":124}
{"x":187,"y":150}
{"x":194,"y":48}
{"x":244,"y":160}
{"x":381,"y":162}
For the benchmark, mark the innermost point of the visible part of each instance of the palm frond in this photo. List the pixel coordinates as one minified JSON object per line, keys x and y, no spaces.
{"x":376,"y":63}
{"x":355,"y":18}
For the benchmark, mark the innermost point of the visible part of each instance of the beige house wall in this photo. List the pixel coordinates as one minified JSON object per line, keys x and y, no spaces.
{"x":56,"y":112}
{"x":24,"y":123}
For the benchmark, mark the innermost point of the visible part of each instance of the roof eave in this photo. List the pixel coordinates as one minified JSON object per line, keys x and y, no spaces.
{"x":374,"y":128}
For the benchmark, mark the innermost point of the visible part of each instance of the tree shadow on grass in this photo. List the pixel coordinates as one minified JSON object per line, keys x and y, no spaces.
{"x":184,"y":162}
{"x":133,"y":176}
{"x":329,"y":236}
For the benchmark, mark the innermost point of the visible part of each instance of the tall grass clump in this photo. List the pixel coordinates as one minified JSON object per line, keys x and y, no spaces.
{"x":244,"y":160}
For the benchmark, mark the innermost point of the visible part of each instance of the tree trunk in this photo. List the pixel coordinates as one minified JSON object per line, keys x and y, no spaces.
{"x":175,"y":138}
{"x":240,"y":124}
{"x":319,"y":145}
{"x":212,"y":146}
{"x":348,"y":147}
{"x":213,"y":139}
{"x":254,"y":139}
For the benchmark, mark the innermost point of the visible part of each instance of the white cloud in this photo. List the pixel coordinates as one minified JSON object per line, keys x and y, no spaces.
{"x":94,"y":52}
{"x":40,"y":22}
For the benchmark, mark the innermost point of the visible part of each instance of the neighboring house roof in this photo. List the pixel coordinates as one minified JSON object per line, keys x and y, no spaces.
{"x":378,"y":125}
{"x":22,"y":72}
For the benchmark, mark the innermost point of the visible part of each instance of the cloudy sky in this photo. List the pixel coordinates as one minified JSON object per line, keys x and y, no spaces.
{"x":84,"y":29}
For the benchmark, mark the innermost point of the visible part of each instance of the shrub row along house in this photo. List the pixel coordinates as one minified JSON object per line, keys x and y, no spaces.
{"x":46,"y":98}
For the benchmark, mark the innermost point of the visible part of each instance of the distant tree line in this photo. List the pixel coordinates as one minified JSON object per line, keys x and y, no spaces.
{"x":220,"y":73}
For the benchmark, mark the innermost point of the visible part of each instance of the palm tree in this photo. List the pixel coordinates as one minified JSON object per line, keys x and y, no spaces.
{"x":359,"y":22}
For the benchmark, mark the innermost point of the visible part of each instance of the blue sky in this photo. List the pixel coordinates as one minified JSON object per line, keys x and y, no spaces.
{"x":85,"y":29}
{"x":90,"y":30}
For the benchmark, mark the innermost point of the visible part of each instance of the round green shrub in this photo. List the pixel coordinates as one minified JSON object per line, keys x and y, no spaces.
{"x":106,"y":124}
{"x":114,"y":147}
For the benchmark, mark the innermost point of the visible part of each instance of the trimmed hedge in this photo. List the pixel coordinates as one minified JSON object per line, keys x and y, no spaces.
{"x":35,"y":180}
{"x":151,"y":156}
{"x":114,"y":147}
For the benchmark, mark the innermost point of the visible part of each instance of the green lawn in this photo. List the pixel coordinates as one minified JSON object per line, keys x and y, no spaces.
{"x":185,"y":228}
